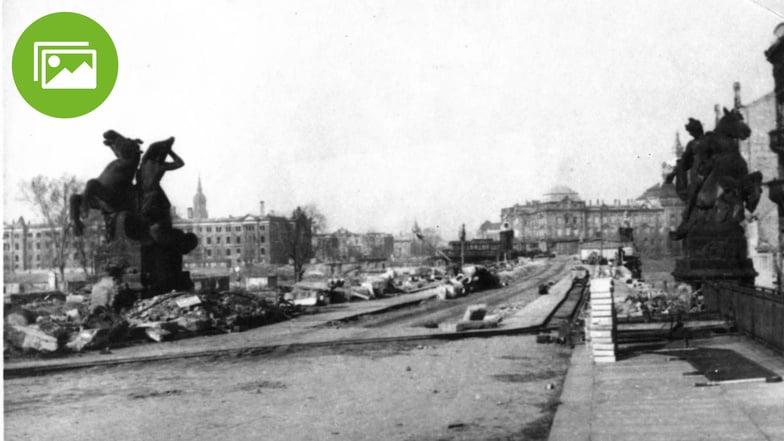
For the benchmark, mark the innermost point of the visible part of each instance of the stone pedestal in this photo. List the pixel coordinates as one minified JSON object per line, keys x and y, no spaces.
{"x":162,"y":270}
{"x":715,"y":252}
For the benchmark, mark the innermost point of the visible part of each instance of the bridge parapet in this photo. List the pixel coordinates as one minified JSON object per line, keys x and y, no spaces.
{"x":757,"y":312}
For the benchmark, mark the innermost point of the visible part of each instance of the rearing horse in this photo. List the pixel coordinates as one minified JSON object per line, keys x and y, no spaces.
{"x":113,"y":191}
{"x":728,"y":185}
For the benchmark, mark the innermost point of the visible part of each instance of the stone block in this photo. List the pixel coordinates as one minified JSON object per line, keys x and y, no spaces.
{"x":103,"y":293}
{"x":193,"y":324}
{"x":600,"y":346}
{"x":544,"y":338}
{"x":601,"y":285}
{"x":88,"y":339}
{"x":600,"y":333}
{"x":31,"y":338}
{"x":475,"y":324}
{"x":475,"y":312}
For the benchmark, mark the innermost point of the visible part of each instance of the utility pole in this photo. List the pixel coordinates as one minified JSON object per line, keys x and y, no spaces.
{"x":601,"y":229}
{"x":462,"y":246}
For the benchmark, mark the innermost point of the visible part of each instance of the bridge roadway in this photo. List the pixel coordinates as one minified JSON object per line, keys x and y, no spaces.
{"x":647,"y":396}
{"x":327,"y":328}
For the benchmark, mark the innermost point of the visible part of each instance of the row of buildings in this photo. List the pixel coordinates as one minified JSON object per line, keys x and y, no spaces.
{"x":345,"y":246}
{"x":223,"y":242}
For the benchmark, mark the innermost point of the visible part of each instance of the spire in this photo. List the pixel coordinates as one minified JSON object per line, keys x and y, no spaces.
{"x":678,"y":148}
{"x":199,"y":203}
{"x":736,"y":90}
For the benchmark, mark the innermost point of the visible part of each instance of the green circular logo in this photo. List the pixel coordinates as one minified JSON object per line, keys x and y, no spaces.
{"x":64,"y":65}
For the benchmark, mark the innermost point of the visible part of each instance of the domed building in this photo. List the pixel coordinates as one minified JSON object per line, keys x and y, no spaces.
{"x":560,"y":193}
{"x":561,"y":221}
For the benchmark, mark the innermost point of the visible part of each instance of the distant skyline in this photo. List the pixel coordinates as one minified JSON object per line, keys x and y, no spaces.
{"x":385,"y":112}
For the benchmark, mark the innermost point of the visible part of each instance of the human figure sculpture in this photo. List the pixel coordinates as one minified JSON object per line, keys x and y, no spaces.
{"x":113,"y":191}
{"x":140,"y":212}
{"x":155,"y":208}
{"x":712,"y":177}
{"x":690,"y":172}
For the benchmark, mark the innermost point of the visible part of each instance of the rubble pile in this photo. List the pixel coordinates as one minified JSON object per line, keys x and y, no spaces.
{"x":56,"y":326}
{"x":650,"y":303}
{"x":227,"y":311}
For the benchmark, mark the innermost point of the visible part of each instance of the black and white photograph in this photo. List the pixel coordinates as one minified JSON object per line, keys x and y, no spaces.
{"x":393,"y":220}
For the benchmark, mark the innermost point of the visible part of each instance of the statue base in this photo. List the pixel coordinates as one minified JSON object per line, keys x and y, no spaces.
{"x":715,"y":252}
{"x":162,"y":271}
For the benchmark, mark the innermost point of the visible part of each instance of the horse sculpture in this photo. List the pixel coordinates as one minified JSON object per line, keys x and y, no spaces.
{"x":113,"y":191}
{"x":140,"y":211}
{"x":728,"y":185}
{"x":718,"y":186}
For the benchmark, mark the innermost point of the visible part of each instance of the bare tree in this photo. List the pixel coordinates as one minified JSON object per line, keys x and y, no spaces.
{"x":317,"y":219}
{"x":86,"y":244}
{"x":50,"y":198}
{"x":299,"y":236}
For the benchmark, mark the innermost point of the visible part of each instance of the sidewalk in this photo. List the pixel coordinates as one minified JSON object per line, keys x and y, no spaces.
{"x":645,"y":396}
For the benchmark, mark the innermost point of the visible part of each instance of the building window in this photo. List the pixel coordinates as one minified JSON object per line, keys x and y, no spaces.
{"x":198,"y":229}
{"x":228,"y":239}
{"x":239,"y":251}
{"x":228,"y":252}
{"x":217,"y":239}
{"x":262,"y":251}
{"x":262,"y":227}
{"x":262,"y":239}
{"x":238,"y":228}
{"x":16,"y":258}
{"x":209,"y":240}
{"x":218,"y":229}
{"x":237,"y":240}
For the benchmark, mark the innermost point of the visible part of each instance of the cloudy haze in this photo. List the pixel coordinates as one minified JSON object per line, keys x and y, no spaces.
{"x":382,"y":112}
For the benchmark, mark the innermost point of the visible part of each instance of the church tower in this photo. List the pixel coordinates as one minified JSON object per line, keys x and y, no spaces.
{"x":678,"y":148}
{"x":199,"y":203}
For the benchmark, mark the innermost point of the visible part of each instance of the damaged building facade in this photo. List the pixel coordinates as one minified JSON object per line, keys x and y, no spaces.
{"x":227,"y":242}
{"x":345,"y":246}
{"x":562,"y":220}
{"x":29,"y":246}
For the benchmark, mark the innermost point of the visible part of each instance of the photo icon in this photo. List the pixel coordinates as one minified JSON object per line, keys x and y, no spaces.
{"x":65,"y":65}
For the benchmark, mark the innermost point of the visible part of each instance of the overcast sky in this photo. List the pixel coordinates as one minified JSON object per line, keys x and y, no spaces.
{"x":382,"y":112}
